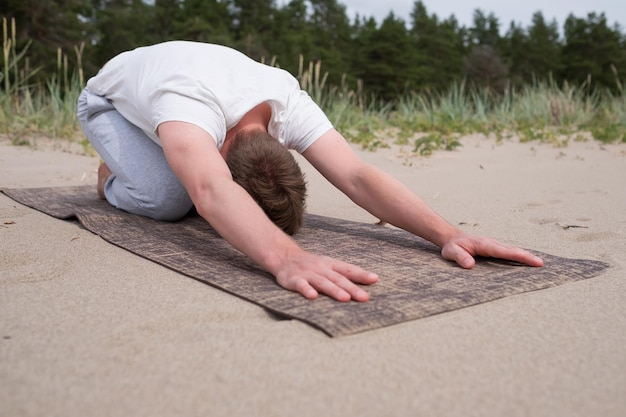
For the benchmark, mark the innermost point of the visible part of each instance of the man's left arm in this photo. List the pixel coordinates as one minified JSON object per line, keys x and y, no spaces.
{"x":392,"y":202}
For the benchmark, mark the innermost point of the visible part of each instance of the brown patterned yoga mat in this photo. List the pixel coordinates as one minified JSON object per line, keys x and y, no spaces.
{"x":415,"y":281}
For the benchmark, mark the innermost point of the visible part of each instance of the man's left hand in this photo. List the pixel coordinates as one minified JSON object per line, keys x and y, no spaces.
{"x":464,"y":247}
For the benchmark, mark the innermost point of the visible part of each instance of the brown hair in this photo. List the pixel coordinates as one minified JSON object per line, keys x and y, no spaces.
{"x":270,"y":174}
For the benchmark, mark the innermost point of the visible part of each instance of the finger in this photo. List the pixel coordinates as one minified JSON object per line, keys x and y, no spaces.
{"x":356,"y":293}
{"x":338,"y":287}
{"x":459,"y":255}
{"x":304,"y":288}
{"x":499,"y":250}
{"x":328,"y":287}
{"x":465,"y":260}
{"x":315,"y":284}
{"x":355,"y":273}
{"x":525,"y":257}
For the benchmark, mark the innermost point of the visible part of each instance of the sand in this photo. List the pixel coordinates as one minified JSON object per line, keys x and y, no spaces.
{"x":87,"y":329}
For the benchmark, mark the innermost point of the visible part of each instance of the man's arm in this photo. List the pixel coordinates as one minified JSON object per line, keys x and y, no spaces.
{"x":195,"y":159}
{"x":392,"y":202}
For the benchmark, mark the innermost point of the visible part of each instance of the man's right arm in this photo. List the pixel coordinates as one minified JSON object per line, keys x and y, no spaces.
{"x":195,"y":159}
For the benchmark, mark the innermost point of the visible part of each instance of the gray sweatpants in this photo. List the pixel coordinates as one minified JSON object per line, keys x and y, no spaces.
{"x":142,"y":182}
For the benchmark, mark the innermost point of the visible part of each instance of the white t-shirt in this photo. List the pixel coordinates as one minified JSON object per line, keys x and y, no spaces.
{"x":210,"y":86}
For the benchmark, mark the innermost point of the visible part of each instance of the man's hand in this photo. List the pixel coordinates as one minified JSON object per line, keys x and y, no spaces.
{"x":194,"y":157}
{"x":311,"y":274}
{"x":464,"y":247}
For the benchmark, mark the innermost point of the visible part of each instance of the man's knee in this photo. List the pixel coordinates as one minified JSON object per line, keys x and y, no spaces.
{"x":157,"y":204}
{"x":168,"y":207}
{"x":172,"y":214}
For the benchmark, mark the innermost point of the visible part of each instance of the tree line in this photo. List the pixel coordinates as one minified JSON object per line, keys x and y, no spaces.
{"x":424,"y":54}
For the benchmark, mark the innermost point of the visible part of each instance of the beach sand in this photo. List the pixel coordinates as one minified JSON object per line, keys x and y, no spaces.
{"x":88,"y":329}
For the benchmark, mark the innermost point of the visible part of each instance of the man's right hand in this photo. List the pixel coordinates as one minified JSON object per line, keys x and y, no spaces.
{"x":311,"y":274}
{"x":194,"y":157}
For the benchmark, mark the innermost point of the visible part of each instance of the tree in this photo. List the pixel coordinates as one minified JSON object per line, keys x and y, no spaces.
{"x":485,"y":30}
{"x":485,"y":69}
{"x":514,"y":55}
{"x":50,"y":26}
{"x":483,"y":65}
{"x":132,"y":21}
{"x":252,"y":25}
{"x":534,"y":54}
{"x":543,"y":49}
{"x":437,"y":48}
{"x":294,"y":36}
{"x":205,"y":21}
{"x":331,"y":37}
{"x":363,"y":31}
{"x":166,"y":14}
{"x":388,"y":64}
{"x":592,"y":51}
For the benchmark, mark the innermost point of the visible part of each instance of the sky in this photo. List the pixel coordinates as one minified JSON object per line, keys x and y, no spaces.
{"x":505,"y":10}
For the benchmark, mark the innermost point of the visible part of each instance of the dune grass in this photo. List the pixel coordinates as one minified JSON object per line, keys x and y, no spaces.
{"x":543,"y":112}
{"x":426,"y":122}
{"x":30,"y":107}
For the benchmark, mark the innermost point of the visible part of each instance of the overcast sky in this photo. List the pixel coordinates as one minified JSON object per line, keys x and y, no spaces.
{"x":520,"y":11}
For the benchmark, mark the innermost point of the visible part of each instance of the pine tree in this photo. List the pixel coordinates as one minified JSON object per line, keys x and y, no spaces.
{"x":132,"y":20}
{"x":294,"y":36}
{"x":483,"y":65}
{"x":364,"y":30}
{"x":438,"y":49}
{"x":515,"y":56}
{"x":252,"y":25}
{"x":166,"y":14}
{"x":388,"y":64}
{"x":543,"y":50}
{"x":205,"y":21}
{"x":48,"y":25}
{"x":592,"y":52}
{"x":331,"y":37}
{"x":533,"y":55}
{"x":485,"y":30}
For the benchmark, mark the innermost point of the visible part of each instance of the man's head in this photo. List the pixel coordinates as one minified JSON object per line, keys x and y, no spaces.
{"x":271,"y":175}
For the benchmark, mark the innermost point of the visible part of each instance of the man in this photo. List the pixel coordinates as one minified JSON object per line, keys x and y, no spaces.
{"x":169,"y":119}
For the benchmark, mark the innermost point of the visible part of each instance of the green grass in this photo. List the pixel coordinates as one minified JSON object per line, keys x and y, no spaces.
{"x":541,"y":112}
{"x":29,"y":108}
{"x":428,"y":122}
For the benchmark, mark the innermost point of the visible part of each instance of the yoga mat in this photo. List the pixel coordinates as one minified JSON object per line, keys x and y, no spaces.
{"x":415,"y":281}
